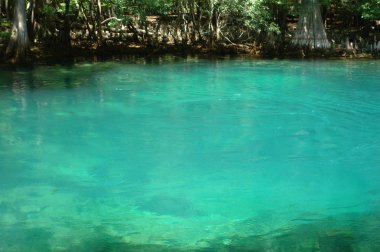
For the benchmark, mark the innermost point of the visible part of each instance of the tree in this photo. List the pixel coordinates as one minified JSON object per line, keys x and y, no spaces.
{"x":370,"y":9}
{"x":18,"y":50}
{"x":4,"y":7}
{"x":310,"y":29}
{"x":65,"y":36}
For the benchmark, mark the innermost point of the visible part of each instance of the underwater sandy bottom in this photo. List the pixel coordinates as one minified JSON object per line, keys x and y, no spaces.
{"x":191,"y":155}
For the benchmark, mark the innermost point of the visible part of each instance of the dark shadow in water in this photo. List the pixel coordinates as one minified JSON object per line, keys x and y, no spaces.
{"x":103,"y":242}
{"x":25,"y":239}
{"x":304,"y":238}
{"x":344,"y":233}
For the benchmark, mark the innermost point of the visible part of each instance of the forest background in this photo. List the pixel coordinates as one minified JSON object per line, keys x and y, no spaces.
{"x":32,"y":29}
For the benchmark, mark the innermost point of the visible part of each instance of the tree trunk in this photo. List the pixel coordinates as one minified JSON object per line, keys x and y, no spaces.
{"x":4,"y":8}
{"x":18,"y":50}
{"x":31,"y":20}
{"x":193,"y":22}
{"x":211,"y":33}
{"x":66,"y":38}
{"x":310,"y":30}
{"x":182,"y":22}
{"x":199,"y":17}
{"x":90,"y":29}
{"x":99,"y":21}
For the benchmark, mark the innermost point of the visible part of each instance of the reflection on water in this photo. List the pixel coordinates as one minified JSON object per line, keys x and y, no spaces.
{"x":191,"y":155}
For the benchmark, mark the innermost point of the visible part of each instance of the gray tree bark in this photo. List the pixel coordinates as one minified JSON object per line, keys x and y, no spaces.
{"x":310,"y":29}
{"x":18,"y":49}
{"x":99,"y":21}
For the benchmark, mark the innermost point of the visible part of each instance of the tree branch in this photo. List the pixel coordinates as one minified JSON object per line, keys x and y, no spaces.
{"x":108,"y":19}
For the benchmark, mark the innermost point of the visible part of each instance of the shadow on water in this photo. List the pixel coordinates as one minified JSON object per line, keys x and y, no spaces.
{"x":344,"y":233}
{"x":26,"y":239}
{"x":309,"y":237}
{"x":40,"y":240}
{"x":65,"y":75}
{"x":102,"y":242}
{"x":69,"y":73}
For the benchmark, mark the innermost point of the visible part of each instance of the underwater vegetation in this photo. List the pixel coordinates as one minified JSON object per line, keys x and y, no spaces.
{"x":345,"y":233}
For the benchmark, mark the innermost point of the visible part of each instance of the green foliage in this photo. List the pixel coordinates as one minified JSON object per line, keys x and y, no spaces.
{"x":5,"y":35}
{"x":259,"y":16}
{"x":187,"y":21}
{"x":367,"y":9}
{"x":49,"y":10}
{"x":256,"y":14}
{"x":371,"y":9}
{"x":143,"y":8}
{"x":4,"y":23}
{"x":115,"y":23}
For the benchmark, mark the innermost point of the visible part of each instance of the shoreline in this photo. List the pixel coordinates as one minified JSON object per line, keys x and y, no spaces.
{"x":44,"y":55}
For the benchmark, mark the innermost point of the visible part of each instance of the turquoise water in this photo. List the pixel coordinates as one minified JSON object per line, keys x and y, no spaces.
{"x":192,"y":155}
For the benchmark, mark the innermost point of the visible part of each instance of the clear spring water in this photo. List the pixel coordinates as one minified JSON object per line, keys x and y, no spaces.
{"x":191,"y":154}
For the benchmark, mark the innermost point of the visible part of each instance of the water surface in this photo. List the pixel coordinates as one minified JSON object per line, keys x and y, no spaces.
{"x":191,"y":154}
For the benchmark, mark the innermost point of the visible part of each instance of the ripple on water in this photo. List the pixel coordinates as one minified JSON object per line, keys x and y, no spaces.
{"x":209,"y":155}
